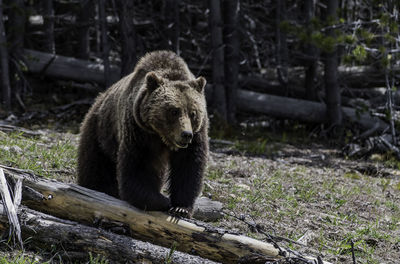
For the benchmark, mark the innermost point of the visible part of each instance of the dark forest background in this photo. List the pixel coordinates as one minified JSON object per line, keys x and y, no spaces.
{"x":331,"y":62}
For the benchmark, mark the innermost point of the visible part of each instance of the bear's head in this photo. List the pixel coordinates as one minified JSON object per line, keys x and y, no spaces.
{"x":174,"y":109}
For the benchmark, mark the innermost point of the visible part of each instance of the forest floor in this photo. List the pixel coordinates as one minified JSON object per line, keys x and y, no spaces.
{"x":294,"y":190}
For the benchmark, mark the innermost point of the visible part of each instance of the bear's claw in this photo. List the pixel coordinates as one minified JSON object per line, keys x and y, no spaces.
{"x":179,"y":211}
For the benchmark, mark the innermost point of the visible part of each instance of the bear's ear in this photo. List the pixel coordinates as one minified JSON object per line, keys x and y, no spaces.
{"x":153,"y":81}
{"x":199,"y":84}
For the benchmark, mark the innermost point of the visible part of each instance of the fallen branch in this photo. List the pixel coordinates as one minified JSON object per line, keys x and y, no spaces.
{"x":26,"y":132}
{"x":86,"y":206}
{"x":10,"y":208}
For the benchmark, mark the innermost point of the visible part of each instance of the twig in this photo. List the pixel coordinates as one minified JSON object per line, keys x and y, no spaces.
{"x":352,"y":252}
{"x":390,"y":146}
{"x":29,"y":172}
{"x":222,"y":142}
{"x":270,"y":238}
{"x":11,"y":128}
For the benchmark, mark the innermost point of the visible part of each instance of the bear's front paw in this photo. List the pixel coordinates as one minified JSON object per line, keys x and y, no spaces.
{"x":180,"y":212}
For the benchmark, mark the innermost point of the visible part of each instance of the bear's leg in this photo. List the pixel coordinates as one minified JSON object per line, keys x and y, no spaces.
{"x":95,"y":170}
{"x":139,"y":183}
{"x":186,"y":173}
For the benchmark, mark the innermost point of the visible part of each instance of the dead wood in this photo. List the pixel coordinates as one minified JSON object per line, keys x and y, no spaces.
{"x":86,"y":206}
{"x":62,"y":67}
{"x":73,"y":241}
{"x":363,"y":76}
{"x":26,"y":132}
{"x":284,"y":107}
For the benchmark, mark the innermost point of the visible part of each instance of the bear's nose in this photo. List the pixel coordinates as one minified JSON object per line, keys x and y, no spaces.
{"x":187,"y":136}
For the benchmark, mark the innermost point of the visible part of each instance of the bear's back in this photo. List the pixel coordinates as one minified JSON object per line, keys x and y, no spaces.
{"x":164,"y":63}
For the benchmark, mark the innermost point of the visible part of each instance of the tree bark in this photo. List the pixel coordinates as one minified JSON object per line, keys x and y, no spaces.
{"x":84,"y":17}
{"x":5,"y":77}
{"x":17,"y":34}
{"x":104,"y":42}
{"x":74,"y":241}
{"x":127,"y":35}
{"x":90,"y":207}
{"x":311,"y":53}
{"x":172,"y":25}
{"x":231,"y":40}
{"x":48,"y":14}
{"x":281,"y":45}
{"x":215,"y":23}
{"x":332,"y":90}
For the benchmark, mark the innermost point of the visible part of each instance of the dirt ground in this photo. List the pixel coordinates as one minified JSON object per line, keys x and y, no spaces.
{"x":312,"y":195}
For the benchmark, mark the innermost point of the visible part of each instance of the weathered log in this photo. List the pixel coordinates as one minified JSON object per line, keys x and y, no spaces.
{"x":90,"y":207}
{"x":75,"y":241}
{"x":284,"y":107}
{"x":363,"y":76}
{"x":62,"y":67}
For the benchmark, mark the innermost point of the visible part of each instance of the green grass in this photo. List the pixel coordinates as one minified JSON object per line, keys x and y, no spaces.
{"x":168,"y":258}
{"x":29,"y":258}
{"x":42,"y":156}
{"x":19,"y":259}
{"x":98,"y":259}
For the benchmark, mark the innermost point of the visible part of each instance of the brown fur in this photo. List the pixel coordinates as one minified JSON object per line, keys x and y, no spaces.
{"x":137,"y":134}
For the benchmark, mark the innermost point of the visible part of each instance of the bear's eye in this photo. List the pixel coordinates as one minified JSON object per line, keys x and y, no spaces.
{"x":174,"y":112}
{"x":193,"y":115}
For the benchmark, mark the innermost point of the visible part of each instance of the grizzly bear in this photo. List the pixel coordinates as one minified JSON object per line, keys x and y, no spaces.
{"x":148,"y":129}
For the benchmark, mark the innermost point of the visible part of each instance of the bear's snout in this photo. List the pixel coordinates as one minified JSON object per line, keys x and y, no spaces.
{"x":186,"y":136}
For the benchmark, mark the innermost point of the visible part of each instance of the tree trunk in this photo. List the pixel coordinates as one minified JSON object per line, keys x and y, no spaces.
{"x":231,"y":40}
{"x":311,"y":53}
{"x":48,"y":14}
{"x":215,"y":23}
{"x":90,"y":207}
{"x":84,"y":17}
{"x":171,"y":24}
{"x":5,"y":77}
{"x":104,"y":42}
{"x":74,"y":242}
{"x":332,"y":90}
{"x":127,"y":36}
{"x":17,"y":34}
{"x":281,"y":45}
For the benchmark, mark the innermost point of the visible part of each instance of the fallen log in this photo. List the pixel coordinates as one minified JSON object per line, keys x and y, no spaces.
{"x":69,"y":68}
{"x":363,"y":76}
{"x":86,"y":206}
{"x":73,"y":241}
{"x":307,"y":111}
